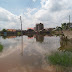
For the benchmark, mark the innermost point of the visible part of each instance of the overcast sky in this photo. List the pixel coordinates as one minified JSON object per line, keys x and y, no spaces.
{"x":49,"y":12}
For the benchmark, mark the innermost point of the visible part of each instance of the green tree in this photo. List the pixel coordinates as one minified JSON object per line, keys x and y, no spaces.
{"x":4,"y":30}
{"x":58,"y":28}
{"x":18,"y":33}
{"x":64,"y":26}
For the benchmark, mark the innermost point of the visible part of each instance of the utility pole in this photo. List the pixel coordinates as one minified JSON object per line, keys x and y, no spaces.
{"x":21,"y":37}
{"x":69,"y":18}
{"x":21,"y":25}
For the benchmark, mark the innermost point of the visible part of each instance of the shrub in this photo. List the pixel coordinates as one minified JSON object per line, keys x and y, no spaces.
{"x":61,"y":58}
{"x":1,"y":48}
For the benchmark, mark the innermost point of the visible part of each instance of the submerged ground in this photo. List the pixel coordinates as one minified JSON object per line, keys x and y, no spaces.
{"x":35,"y":54}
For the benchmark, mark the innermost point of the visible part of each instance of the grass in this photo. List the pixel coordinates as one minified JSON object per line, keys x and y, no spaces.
{"x":18,"y":33}
{"x":61,"y":58}
{"x":1,"y":48}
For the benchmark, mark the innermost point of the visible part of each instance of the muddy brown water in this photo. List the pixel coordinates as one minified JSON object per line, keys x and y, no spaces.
{"x":24,"y":54}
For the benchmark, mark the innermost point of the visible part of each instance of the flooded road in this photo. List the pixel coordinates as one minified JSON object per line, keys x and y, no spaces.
{"x":28,"y":54}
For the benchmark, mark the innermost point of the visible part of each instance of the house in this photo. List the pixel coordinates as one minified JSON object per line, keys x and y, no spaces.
{"x":11,"y":30}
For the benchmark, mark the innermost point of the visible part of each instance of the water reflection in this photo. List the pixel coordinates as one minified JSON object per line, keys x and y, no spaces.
{"x":30,"y":35}
{"x":27,"y":53}
{"x":22,"y":45}
{"x":66,"y":45}
{"x":61,"y":59}
{"x":39,"y":38}
{"x":1,"y":47}
{"x":4,"y":37}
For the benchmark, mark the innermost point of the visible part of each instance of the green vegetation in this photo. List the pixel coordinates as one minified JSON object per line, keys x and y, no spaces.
{"x":65,"y":45}
{"x":71,"y":29}
{"x":60,"y":58}
{"x":58,"y":28}
{"x":4,"y":30}
{"x":18,"y":33}
{"x":4,"y":37}
{"x":64,"y":26}
{"x":1,"y":48}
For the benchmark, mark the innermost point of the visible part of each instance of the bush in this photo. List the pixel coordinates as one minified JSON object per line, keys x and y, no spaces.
{"x":1,"y":48}
{"x":18,"y":33}
{"x":61,"y":58}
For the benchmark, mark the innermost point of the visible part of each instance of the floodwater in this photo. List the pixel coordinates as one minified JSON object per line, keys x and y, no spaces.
{"x":27,"y":54}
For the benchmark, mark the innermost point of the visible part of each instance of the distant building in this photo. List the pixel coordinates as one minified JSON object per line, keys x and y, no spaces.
{"x":39,"y":27}
{"x":34,"y":28}
{"x":11,"y":30}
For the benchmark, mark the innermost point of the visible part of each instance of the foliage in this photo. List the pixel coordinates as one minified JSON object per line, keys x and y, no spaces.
{"x":64,"y":26}
{"x":4,"y":30}
{"x":71,"y":29}
{"x":1,"y":48}
{"x":4,"y":37}
{"x":65,"y":45}
{"x":18,"y":33}
{"x":58,"y":28}
{"x":61,"y":58}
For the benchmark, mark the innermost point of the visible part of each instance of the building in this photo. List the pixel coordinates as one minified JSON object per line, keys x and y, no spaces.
{"x":34,"y":28}
{"x":11,"y":30}
{"x":39,"y":27}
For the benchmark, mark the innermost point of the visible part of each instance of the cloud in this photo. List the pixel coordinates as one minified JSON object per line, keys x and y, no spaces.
{"x":28,"y":18}
{"x":34,"y":0}
{"x":7,"y":19}
{"x":52,"y":13}
{"x":6,"y":15}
